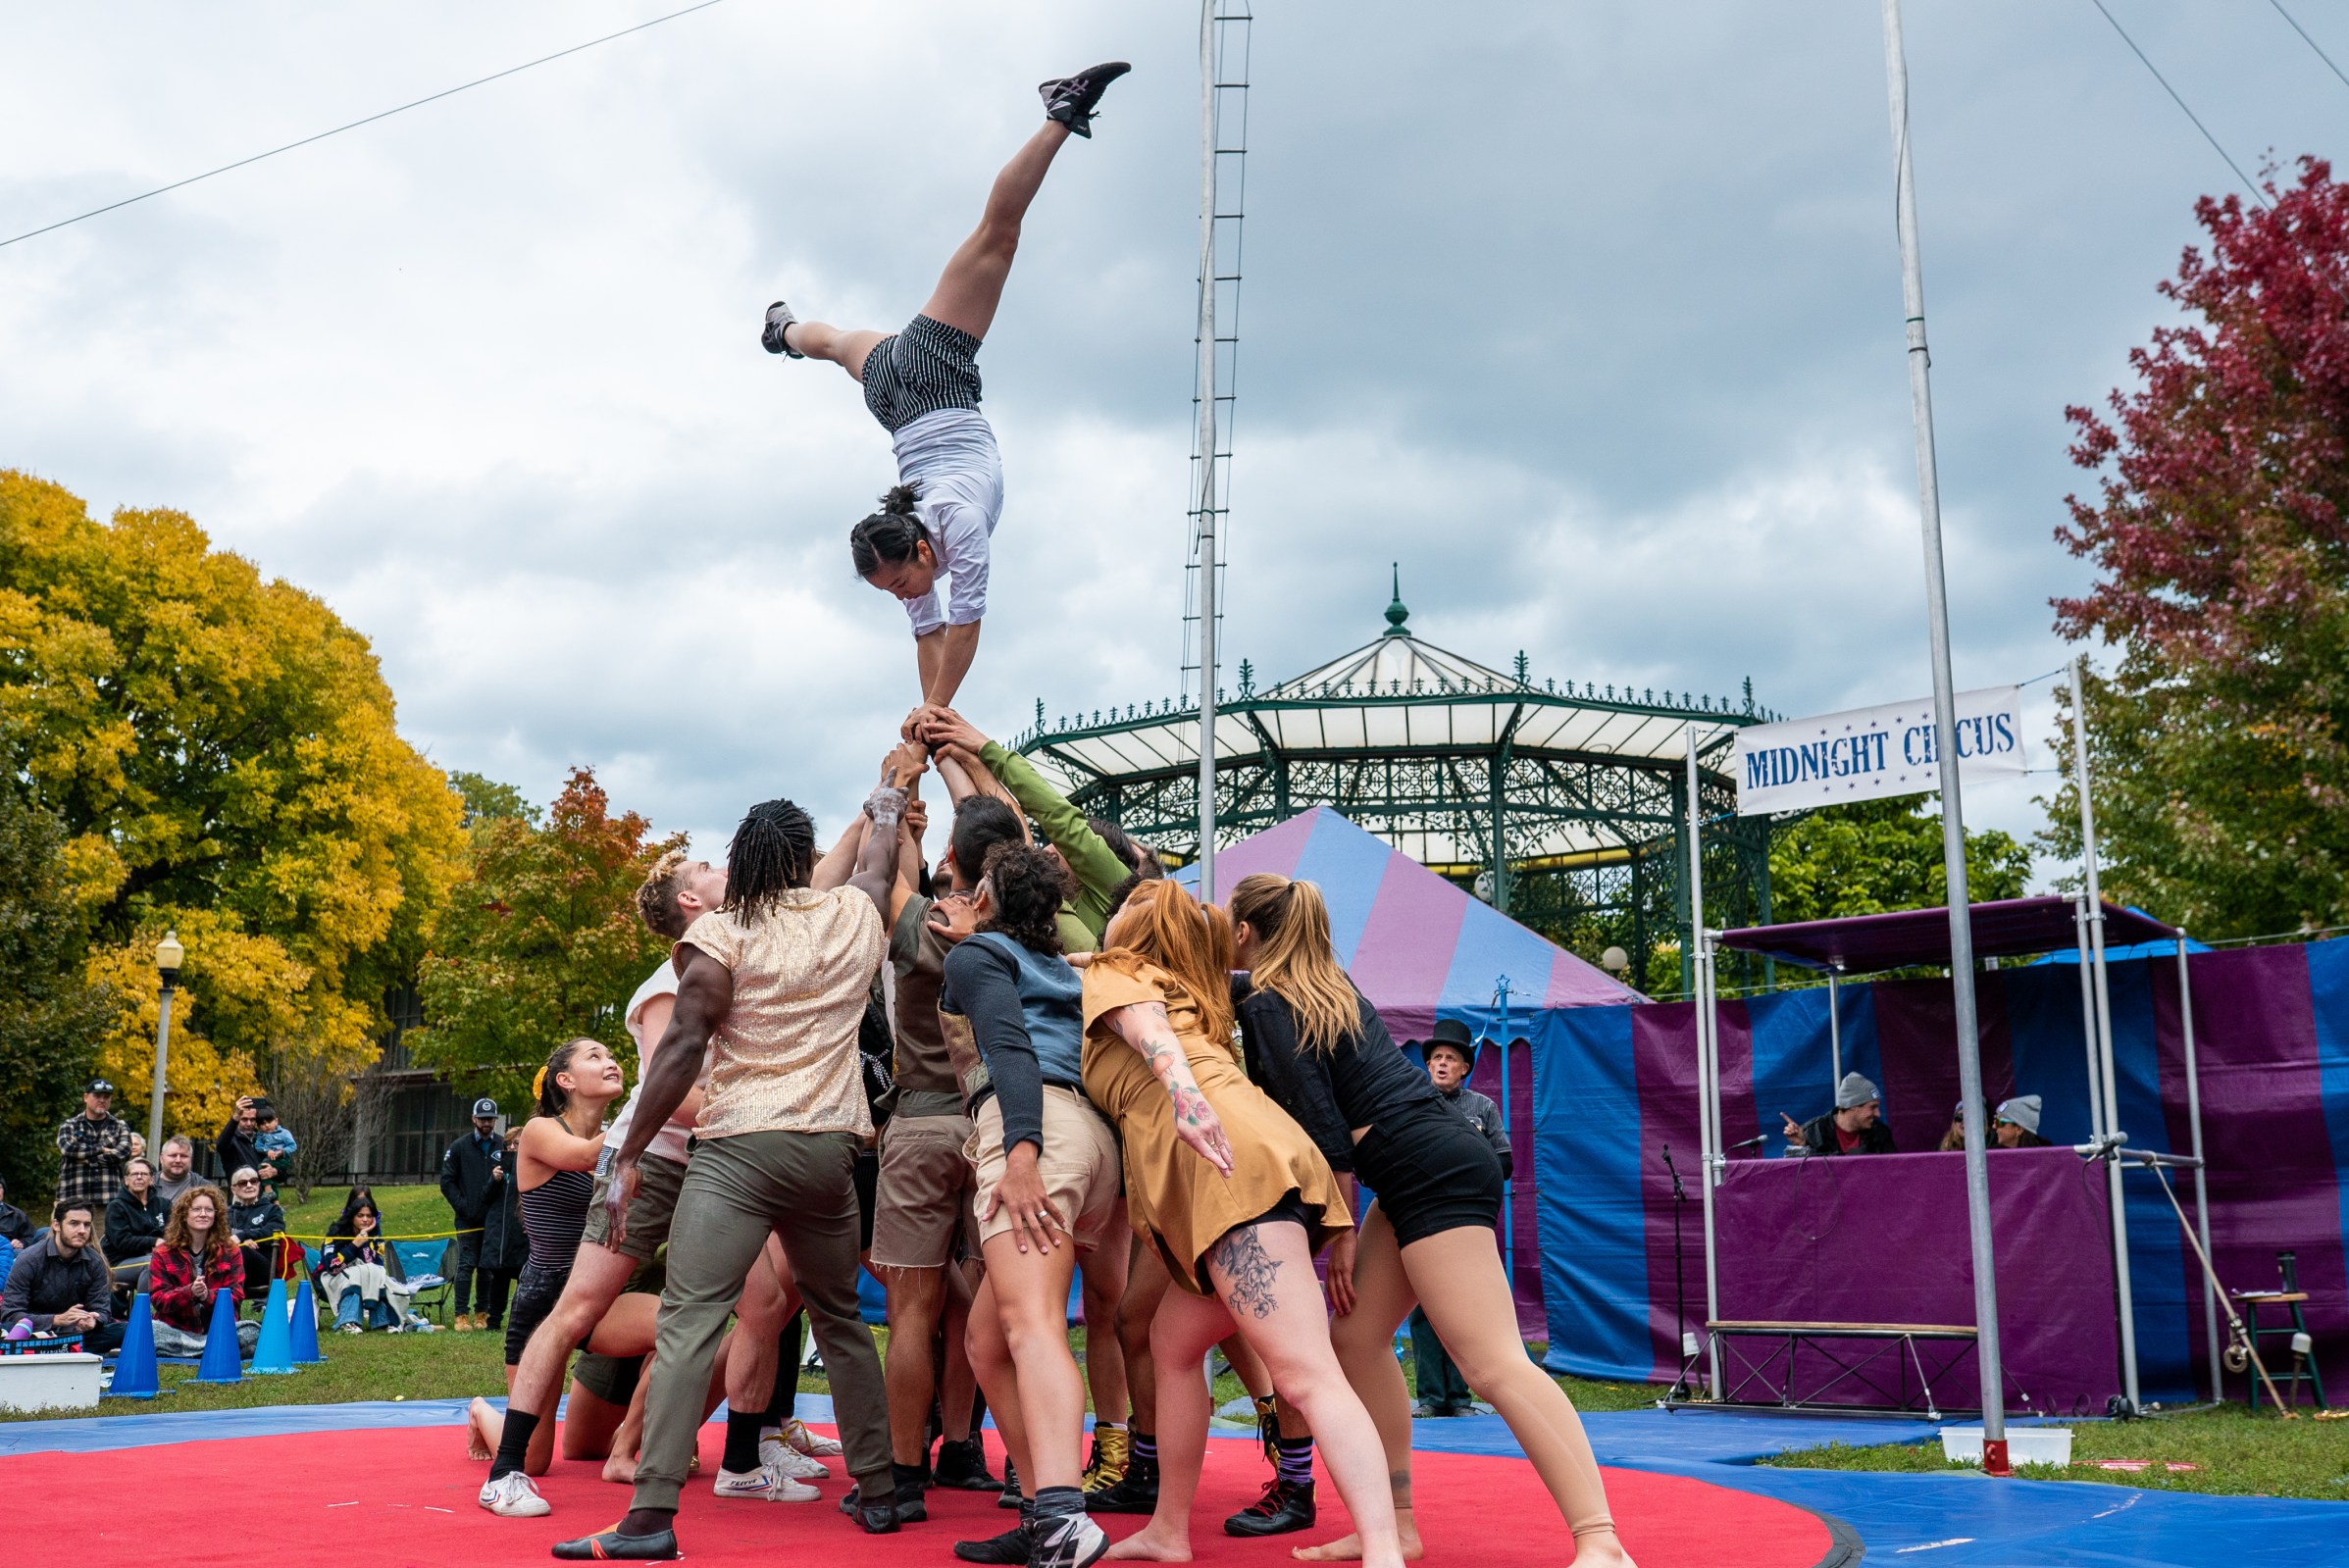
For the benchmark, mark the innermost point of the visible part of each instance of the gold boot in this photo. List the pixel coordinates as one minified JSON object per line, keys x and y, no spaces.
{"x":1112,"y":1449}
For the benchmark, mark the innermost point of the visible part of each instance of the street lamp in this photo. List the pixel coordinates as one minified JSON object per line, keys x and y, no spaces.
{"x":169,"y":956}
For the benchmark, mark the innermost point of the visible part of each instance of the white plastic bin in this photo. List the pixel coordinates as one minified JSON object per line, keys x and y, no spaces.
{"x":68,"y":1382}
{"x":2025,"y":1445}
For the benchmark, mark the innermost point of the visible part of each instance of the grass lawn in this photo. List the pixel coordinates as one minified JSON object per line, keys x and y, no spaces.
{"x":413,"y":1210}
{"x":2233,"y":1453}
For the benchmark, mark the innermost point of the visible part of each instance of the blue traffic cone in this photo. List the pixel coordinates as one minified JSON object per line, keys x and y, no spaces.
{"x":135,"y":1376}
{"x":221,"y":1362}
{"x":274,"y":1355}
{"x":304,"y":1310}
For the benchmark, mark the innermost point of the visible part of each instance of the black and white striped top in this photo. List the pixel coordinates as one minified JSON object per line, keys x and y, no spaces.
{"x":555,"y":1214}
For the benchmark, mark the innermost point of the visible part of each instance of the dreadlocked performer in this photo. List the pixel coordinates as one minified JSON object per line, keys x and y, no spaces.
{"x":922,"y":384}
{"x":774,"y":984}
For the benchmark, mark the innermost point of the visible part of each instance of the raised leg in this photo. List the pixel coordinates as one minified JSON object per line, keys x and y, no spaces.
{"x":972,"y":285}
{"x":1461,"y":1287}
{"x":842,"y":346}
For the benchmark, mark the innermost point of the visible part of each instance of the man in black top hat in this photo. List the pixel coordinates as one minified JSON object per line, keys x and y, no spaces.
{"x":472,"y":1173}
{"x":1451,"y":1056}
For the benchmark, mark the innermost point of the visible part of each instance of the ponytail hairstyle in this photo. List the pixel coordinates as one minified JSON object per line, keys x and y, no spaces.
{"x":1028,"y":885}
{"x":889,"y":536}
{"x":553,"y":1098}
{"x":1295,"y":960}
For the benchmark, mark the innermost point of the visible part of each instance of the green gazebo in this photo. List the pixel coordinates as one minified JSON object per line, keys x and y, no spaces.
{"x":1563,"y":806}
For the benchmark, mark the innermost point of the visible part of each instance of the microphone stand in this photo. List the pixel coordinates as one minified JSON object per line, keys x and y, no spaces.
{"x":1681,"y":1385}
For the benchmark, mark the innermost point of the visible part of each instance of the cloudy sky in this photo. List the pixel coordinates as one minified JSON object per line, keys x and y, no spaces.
{"x":1588,"y":314}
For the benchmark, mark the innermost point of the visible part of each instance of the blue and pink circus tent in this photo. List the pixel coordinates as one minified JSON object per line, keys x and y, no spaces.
{"x":1596,"y":1081}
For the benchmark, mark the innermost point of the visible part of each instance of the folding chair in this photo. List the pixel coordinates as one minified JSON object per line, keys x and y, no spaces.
{"x":425,"y":1264}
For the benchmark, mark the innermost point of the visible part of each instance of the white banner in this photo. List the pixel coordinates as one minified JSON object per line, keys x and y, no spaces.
{"x":1869,"y":753}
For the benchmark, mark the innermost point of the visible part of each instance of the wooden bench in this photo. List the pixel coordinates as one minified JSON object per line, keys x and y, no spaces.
{"x":1790,"y":1337}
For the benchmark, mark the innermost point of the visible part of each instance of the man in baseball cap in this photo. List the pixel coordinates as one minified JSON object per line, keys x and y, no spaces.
{"x":91,"y":1149}
{"x":472,"y":1173}
{"x":1854,"y":1127}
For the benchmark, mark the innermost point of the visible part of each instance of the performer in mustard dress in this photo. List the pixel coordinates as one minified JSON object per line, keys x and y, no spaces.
{"x":1232,"y":1193}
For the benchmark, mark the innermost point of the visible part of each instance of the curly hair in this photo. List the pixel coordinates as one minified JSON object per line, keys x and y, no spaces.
{"x":657,"y":898}
{"x":1029,"y":886}
{"x":176,"y":1232}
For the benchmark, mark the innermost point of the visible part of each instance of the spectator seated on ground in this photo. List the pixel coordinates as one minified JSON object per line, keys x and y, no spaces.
{"x":1854,"y":1127}
{"x":2019,"y":1124}
{"x":59,"y":1285}
{"x":15,"y":1228}
{"x":257,"y":1223}
{"x":196,"y":1262}
{"x":360,"y":1271}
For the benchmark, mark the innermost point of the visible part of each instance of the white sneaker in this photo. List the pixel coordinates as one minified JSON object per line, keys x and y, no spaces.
{"x":807,"y":1443}
{"x":790,"y":1461}
{"x":514,"y":1496}
{"x":766,"y":1483}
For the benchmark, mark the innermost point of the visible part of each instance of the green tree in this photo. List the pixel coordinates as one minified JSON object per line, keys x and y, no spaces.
{"x":223,"y":753}
{"x":1877,"y":855}
{"x":542,"y":944}
{"x":2218,"y":740}
{"x":51,"y":1017}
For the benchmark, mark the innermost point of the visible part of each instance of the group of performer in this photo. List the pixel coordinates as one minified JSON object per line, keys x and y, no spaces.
{"x":1089,"y":1072}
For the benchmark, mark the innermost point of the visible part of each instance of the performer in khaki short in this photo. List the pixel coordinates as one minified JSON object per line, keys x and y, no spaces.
{"x":1048,"y":1175}
{"x":922,"y":1209}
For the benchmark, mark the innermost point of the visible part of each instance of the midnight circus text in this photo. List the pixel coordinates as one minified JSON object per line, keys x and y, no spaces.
{"x":1979,"y":736}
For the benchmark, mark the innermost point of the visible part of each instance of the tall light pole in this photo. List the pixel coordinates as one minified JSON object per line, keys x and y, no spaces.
{"x":169,"y":956}
{"x":1945,"y":742}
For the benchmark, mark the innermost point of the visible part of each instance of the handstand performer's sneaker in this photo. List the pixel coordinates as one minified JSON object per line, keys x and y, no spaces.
{"x":795,"y":1433}
{"x":610,"y":1546}
{"x":769,"y":337}
{"x":514,"y":1496}
{"x":768,"y":1484}
{"x":1071,"y":100}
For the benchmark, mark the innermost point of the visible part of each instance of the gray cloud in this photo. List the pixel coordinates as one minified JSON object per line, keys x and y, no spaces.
{"x":1587,"y":316}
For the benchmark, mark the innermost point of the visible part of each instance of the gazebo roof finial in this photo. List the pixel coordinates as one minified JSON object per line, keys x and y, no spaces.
{"x":1396,"y":615}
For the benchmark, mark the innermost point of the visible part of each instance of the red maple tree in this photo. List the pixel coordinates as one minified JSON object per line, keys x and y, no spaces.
{"x":2221,"y":550}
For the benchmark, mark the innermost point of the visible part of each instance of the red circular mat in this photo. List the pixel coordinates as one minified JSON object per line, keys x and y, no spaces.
{"x":384,"y":1498}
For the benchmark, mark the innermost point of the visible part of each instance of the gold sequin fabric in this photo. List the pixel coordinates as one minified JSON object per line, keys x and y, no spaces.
{"x":785,"y":1056}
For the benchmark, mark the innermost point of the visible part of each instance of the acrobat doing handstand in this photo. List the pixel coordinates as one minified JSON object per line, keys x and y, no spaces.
{"x":922,"y":384}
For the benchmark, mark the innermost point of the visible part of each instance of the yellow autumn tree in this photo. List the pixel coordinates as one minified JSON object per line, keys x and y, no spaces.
{"x":223,"y":752}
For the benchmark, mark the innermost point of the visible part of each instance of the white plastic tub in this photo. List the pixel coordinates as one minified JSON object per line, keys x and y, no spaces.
{"x":2025,"y":1445}
{"x":49,"y":1382}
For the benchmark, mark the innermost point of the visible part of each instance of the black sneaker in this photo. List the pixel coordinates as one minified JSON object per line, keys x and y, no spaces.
{"x":962,"y":1467}
{"x":1010,"y":1549}
{"x":770,"y":336}
{"x":1135,"y":1492}
{"x":1010,"y":1496}
{"x":1071,"y":100}
{"x":1285,"y":1506}
{"x":1067,"y":1541}
{"x":907,"y":1503}
{"x":610,"y":1545}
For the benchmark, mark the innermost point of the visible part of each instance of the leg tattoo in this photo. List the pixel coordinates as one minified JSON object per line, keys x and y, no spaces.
{"x":1250,"y":1269}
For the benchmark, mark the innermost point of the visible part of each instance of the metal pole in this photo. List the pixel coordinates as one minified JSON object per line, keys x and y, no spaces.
{"x":1509,"y":1191}
{"x":1708,"y":1088}
{"x":2202,"y":1189}
{"x":2094,"y":898}
{"x":1945,"y":743}
{"x":163,"y":1057}
{"x":1834,"y":1033}
{"x":1206,"y":450}
{"x":2096,"y":1093}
